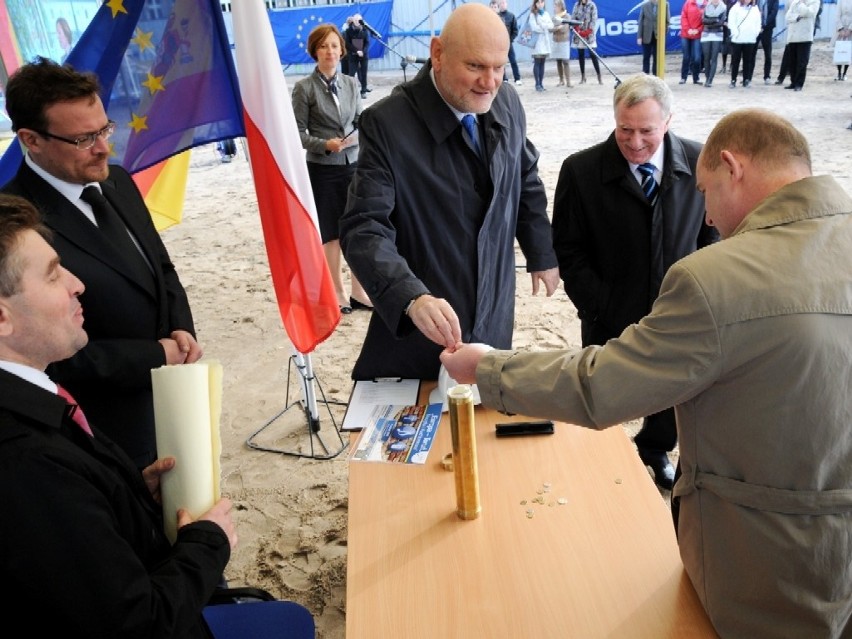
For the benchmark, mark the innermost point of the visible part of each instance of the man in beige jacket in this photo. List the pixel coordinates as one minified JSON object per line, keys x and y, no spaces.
{"x":751,"y":341}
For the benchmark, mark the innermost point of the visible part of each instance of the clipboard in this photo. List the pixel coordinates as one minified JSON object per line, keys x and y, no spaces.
{"x":367,"y":394}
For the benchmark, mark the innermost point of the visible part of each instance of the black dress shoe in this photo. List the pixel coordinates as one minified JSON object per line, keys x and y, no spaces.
{"x":359,"y":306}
{"x":345,"y":309}
{"x":658,"y":460}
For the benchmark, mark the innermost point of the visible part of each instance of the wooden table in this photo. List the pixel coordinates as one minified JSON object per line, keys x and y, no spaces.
{"x":605,"y":564}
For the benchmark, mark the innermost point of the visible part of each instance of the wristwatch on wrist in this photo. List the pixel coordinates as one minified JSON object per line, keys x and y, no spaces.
{"x":411,"y":303}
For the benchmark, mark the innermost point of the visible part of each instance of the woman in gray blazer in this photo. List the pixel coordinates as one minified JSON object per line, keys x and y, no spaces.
{"x":327,"y":106}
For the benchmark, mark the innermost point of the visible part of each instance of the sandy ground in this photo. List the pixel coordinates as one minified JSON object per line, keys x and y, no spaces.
{"x":292,"y":512}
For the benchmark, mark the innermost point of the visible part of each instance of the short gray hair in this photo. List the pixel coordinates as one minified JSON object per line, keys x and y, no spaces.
{"x":639,"y":88}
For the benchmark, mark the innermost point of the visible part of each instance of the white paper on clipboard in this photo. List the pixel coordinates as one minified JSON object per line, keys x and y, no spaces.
{"x":367,"y":394}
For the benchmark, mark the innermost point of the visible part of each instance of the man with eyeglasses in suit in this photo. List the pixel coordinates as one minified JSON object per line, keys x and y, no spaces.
{"x":137,"y":312}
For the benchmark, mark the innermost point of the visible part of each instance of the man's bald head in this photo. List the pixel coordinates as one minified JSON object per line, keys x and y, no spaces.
{"x":749,"y":155}
{"x":471,"y":22}
{"x":468,"y":58}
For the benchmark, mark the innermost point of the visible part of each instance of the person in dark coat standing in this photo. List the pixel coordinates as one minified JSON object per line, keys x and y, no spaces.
{"x":768,"y":20}
{"x":138,"y":316}
{"x":647,"y":34}
{"x":81,"y":537}
{"x":615,"y":236}
{"x":357,"y":47}
{"x":508,"y":18}
{"x":434,"y":209}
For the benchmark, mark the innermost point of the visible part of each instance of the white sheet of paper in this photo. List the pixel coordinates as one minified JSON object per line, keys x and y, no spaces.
{"x":367,"y":394}
{"x":187,"y":408}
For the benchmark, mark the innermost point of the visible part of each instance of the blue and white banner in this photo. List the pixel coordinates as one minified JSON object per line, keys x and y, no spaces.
{"x":292,"y":26}
{"x":618,"y":25}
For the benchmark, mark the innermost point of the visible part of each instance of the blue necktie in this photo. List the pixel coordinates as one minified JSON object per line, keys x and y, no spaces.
{"x":649,"y":183}
{"x":469,"y":124}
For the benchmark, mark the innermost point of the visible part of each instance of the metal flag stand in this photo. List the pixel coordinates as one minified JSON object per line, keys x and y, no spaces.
{"x":308,"y":403}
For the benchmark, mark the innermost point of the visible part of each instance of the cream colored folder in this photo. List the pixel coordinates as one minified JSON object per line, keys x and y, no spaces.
{"x":187,"y":408}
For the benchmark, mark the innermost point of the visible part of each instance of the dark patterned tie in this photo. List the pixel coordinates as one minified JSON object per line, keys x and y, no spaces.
{"x":331,"y":82}
{"x":649,"y":183}
{"x":76,"y":412}
{"x":651,"y":189}
{"x":469,"y":124}
{"x":113,"y":228}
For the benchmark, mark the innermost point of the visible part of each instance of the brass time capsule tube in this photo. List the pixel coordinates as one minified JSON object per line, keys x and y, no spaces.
{"x":460,"y":401}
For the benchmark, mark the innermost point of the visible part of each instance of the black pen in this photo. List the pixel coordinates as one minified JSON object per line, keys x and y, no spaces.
{"x":327,"y":152}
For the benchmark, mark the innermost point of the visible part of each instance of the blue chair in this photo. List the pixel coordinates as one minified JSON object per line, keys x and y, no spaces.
{"x":253,"y":613}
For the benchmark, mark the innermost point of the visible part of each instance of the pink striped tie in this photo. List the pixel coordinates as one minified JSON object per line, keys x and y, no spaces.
{"x":76,"y":412}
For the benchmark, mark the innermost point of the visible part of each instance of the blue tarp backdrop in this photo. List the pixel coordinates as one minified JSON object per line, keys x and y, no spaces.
{"x":616,"y":30}
{"x":292,"y":26}
{"x":618,"y":23}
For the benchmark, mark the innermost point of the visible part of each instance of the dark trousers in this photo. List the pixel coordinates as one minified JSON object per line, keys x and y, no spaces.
{"x":746,"y":53}
{"x":358,"y":67}
{"x":710,"y":50}
{"x":764,"y":42}
{"x":691,"y":58}
{"x":785,"y":64}
{"x":513,"y":61}
{"x":800,"y":55}
{"x":659,"y":432}
{"x":581,"y":56}
{"x":649,"y":56}
{"x":538,"y":69}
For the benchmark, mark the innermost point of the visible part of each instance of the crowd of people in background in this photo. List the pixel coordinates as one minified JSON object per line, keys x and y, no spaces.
{"x":734,"y":29}
{"x":555,"y":36}
{"x":738,"y":29}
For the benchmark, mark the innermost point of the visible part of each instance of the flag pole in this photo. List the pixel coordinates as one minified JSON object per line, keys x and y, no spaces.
{"x":309,"y":397}
{"x":303,"y":286}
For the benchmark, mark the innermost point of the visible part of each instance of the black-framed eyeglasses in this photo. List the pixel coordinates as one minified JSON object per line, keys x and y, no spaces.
{"x":84,"y":142}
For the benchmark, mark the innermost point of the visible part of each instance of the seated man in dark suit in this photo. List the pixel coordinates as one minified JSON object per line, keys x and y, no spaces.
{"x":137,"y":313}
{"x":81,"y":536}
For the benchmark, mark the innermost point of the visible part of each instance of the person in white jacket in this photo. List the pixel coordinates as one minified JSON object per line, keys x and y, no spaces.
{"x":744,"y":25}
{"x":541,"y":23}
{"x":800,"y":18}
{"x":842,"y":32}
